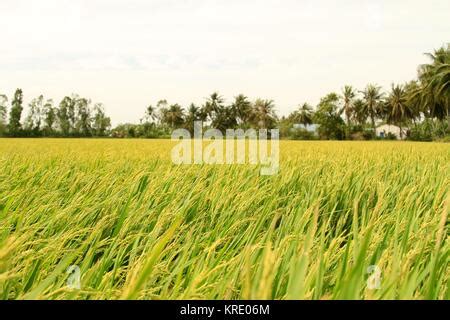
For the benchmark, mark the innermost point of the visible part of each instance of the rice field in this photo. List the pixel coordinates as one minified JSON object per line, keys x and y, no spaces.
{"x":341,"y":220}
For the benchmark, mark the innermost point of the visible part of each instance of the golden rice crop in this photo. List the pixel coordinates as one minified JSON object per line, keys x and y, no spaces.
{"x":141,"y":227}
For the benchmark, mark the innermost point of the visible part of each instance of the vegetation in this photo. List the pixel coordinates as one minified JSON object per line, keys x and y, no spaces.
{"x":74,"y":117}
{"x":140,"y":227}
{"x":352,"y":114}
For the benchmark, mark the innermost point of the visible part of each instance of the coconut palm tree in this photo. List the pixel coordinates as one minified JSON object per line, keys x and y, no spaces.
{"x":435,"y":84}
{"x":222,"y":117}
{"x":193,"y":114}
{"x":304,"y":115}
{"x":359,"y":114}
{"x":203,"y":114}
{"x":174,"y":116}
{"x":150,"y":114}
{"x":397,"y":109}
{"x":413,"y":92}
{"x":373,"y":102}
{"x":242,"y":109}
{"x":441,"y":82}
{"x":264,"y":112}
{"x":348,"y":95}
{"x":213,"y":105}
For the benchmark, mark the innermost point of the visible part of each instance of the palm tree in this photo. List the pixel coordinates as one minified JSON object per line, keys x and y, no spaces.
{"x":242,"y":109}
{"x":264,"y":112}
{"x":174,"y":116}
{"x":372,"y":102}
{"x":435,"y":84}
{"x":359,"y":114}
{"x":150,"y":114}
{"x":412,"y":92}
{"x":441,"y":81}
{"x":193,"y":115}
{"x":222,"y":117}
{"x":304,"y":115}
{"x":193,"y":112}
{"x":397,"y":108}
{"x":213,"y":105}
{"x":348,"y":94}
{"x":203,"y":114}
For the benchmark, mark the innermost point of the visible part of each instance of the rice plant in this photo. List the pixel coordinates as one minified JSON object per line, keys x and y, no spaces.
{"x":139,"y":227}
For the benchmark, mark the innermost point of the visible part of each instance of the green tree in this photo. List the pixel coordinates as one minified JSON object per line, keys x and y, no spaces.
{"x":34,"y":118}
{"x":14,"y":125}
{"x":126,"y":130}
{"x":63,"y":116}
{"x":397,"y":109}
{"x":150,"y":114}
{"x":222,"y":117}
{"x":71,"y":105}
{"x":173,"y":116}
{"x":264,"y":111}
{"x":50,"y":117}
{"x":213,"y":105}
{"x":101,"y":123}
{"x":435,"y":84}
{"x":327,"y":116}
{"x":242,"y":109}
{"x":359,"y":114}
{"x":348,"y":95}
{"x":303,"y":115}
{"x":412,"y":92}
{"x":193,"y":114}
{"x":373,"y":98}
{"x":83,"y":124}
{"x":162,"y":107}
{"x":3,"y":113}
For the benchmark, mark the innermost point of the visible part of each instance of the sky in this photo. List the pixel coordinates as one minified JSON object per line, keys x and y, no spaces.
{"x":128,"y":54}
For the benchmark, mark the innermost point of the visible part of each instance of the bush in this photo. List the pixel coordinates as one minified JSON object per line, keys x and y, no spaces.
{"x":429,"y":130}
{"x":358,"y":132}
{"x":302,"y":134}
{"x":368,"y":135}
{"x":359,"y":135}
{"x":445,"y":139}
{"x":391,"y":136}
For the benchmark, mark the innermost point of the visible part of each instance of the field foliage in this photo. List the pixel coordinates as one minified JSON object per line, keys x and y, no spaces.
{"x":140,"y":227}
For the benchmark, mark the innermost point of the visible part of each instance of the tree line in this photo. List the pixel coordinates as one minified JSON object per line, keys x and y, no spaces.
{"x":73,"y":117}
{"x":422,"y":105}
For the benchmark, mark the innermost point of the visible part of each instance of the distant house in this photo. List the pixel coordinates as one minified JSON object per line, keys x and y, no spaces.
{"x":384,"y":130}
{"x":310,"y":127}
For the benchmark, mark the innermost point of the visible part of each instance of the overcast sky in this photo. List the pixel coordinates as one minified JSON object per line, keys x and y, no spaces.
{"x":131,"y":53}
